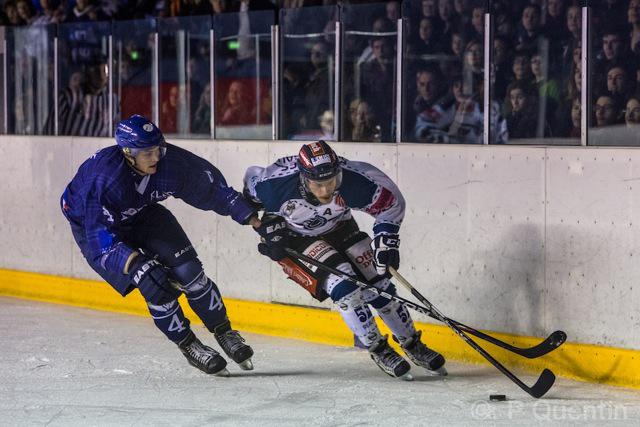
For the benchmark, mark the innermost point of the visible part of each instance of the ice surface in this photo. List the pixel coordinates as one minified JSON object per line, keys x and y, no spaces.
{"x":66,"y":366}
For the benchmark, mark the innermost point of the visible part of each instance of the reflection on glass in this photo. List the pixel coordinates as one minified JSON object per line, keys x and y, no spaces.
{"x":443,"y":72}
{"x":133,"y":61}
{"x":83,"y":81}
{"x":369,"y":72}
{"x":308,"y":51}
{"x":243,"y":74}
{"x":30,"y":74}
{"x":184,"y":74}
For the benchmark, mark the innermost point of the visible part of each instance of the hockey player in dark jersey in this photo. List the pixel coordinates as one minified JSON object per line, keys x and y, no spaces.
{"x":131,"y":241}
{"x":307,"y":201}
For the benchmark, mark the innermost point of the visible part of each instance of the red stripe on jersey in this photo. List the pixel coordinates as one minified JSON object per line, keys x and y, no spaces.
{"x":385,"y":201}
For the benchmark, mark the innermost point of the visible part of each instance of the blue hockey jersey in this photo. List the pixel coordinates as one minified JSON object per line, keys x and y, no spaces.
{"x":364,"y":187}
{"x":106,"y":193}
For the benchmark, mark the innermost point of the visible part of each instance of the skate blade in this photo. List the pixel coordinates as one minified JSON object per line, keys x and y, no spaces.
{"x":440,"y":372}
{"x":247,"y":365}
{"x":224,"y":372}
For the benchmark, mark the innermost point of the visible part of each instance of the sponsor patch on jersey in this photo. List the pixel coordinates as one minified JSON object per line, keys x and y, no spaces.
{"x":320,"y":251}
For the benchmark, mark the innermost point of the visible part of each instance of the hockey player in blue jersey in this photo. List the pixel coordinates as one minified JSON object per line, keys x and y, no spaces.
{"x":131,"y":241}
{"x":307,"y":201}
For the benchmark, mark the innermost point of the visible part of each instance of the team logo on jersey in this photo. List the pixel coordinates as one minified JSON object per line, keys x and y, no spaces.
{"x":289,"y":208}
{"x":384,"y":201}
{"x":315,"y":222}
{"x":131,"y":212}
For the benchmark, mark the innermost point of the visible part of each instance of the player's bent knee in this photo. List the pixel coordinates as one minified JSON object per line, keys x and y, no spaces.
{"x":190,"y":276}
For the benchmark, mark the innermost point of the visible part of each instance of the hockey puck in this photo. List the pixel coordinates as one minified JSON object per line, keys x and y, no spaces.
{"x":497,"y":397}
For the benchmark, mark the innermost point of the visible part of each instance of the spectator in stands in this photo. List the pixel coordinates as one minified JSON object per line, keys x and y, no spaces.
{"x":549,"y":93}
{"x":466,"y":127}
{"x":392,"y":10}
{"x":326,"y":126}
{"x":476,"y":29}
{"x":84,"y":11}
{"x":503,"y":66}
{"x":522,"y":114}
{"x":614,"y":52}
{"x":434,"y":111}
{"x":238,"y":108}
{"x":607,"y":111}
{"x":571,"y":94}
{"x":555,"y":21}
{"x":380,"y":25}
{"x":25,"y":11}
{"x":574,"y":130}
{"x":457,"y":45}
{"x":618,"y":84}
{"x":11,"y":13}
{"x":377,"y":81}
{"x":169,"y":111}
{"x":202,"y":117}
{"x":522,"y":69}
{"x":449,"y":21}
{"x":316,"y":86}
{"x":84,"y":110}
{"x":632,"y":113}
{"x":633,"y":15}
{"x":363,"y":126}
{"x":473,"y":59}
{"x":529,"y":30}
{"x":427,"y":42}
{"x":462,"y":8}
{"x":52,"y":13}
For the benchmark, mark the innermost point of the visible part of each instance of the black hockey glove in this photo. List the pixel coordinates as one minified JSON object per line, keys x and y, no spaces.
{"x":385,"y":252}
{"x":275,"y":237}
{"x":150,"y":277}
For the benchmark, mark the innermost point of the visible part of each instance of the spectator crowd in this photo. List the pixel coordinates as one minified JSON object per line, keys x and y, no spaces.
{"x":535,"y":67}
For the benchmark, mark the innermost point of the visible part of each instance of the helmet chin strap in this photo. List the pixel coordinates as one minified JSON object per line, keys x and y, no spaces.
{"x":131,"y":161}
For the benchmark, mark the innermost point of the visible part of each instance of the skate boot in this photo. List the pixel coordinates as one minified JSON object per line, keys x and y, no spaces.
{"x":388,"y":360}
{"x":423,"y":356}
{"x":203,"y":357}
{"x":233,"y":345}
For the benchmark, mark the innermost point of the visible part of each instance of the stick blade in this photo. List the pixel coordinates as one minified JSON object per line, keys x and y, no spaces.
{"x":551,"y":343}
{"x":544,"y":383}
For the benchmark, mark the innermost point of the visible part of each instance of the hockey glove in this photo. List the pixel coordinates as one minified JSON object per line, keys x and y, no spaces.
{"x":385,"y":252}
{"x":275,"y":237}
{"x":150,"y":277}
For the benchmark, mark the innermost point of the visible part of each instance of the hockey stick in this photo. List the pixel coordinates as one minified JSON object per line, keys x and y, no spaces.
{"x":546,"y":379}
{"x":549,"y":344}
{"x":542,"y":385}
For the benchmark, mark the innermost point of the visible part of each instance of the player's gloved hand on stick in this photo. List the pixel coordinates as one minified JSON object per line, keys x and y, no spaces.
{"x":150,"y":277}
{"x":274,"y":233}
{"x":385,"y":252}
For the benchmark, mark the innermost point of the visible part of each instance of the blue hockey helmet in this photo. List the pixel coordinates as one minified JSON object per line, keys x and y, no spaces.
{"x":318,"y":162}
{"x":138,"y":133}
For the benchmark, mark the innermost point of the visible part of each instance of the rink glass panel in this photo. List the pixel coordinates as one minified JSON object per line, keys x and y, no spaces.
{"x":369,"y":73}
{"x":243,"y":74}
{"x":83,"y":48}
{"x":30,"y":74}
{"x":133,"y":56}
{"x":535,"y":75}
{"x":443,"y":74}
{"x":184,"y":76}
{"x":613,"y":78}
{"x":307,"y":67}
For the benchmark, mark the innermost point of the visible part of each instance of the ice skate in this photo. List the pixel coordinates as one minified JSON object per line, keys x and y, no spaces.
{"x":233,"y":345}
{"x":389,"y":360}
{"x":423,"y":356}
{"x":203,"y":357}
